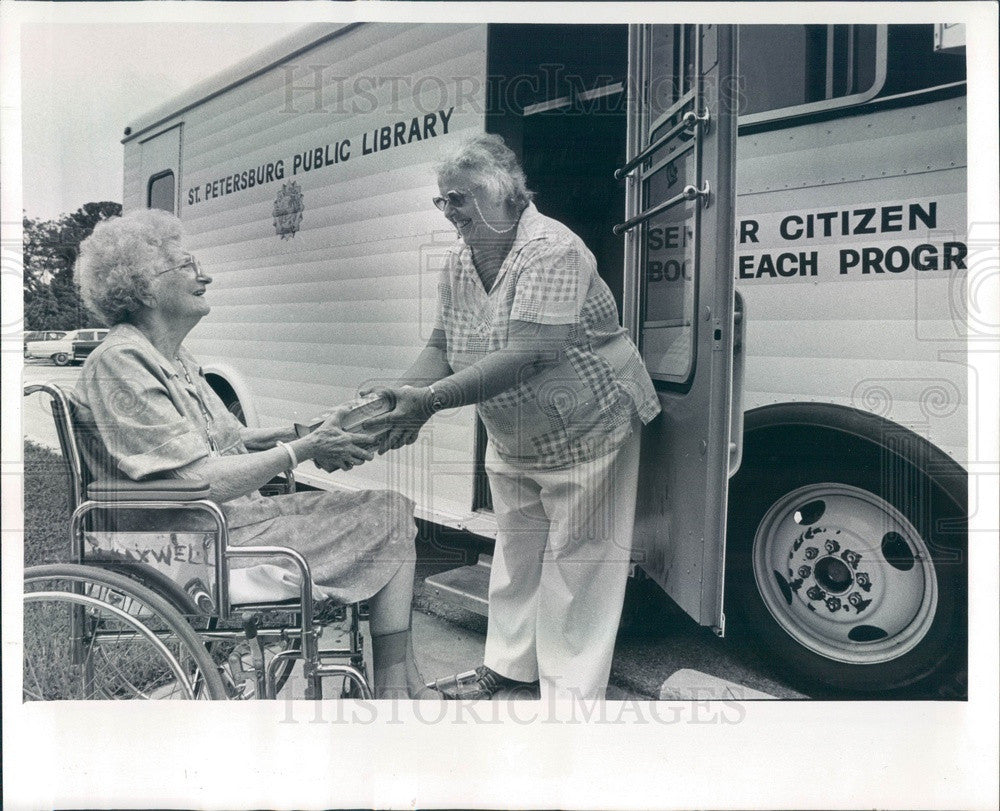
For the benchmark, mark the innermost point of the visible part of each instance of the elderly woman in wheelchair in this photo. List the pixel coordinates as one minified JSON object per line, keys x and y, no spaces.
{"x":147,"y":414}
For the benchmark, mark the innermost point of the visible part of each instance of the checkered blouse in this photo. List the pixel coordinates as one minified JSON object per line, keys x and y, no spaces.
{"x":569,"y":413}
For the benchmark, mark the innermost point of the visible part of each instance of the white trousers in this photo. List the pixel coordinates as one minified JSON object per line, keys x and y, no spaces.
{"x":559,"y":569}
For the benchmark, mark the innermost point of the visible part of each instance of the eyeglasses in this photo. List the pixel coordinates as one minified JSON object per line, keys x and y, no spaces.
{"x":456,"y":199}
{"x":190,"y":262}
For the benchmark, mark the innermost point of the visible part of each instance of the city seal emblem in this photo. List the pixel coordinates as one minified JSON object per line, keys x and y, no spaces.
{"x":288,"y":208}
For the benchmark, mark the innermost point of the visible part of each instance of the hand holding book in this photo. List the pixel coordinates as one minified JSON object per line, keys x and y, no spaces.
{"x":349,"y":417}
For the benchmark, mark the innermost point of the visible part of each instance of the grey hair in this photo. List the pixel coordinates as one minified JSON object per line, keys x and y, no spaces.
{"x":117,"y":262}
{"x":492,"y":164}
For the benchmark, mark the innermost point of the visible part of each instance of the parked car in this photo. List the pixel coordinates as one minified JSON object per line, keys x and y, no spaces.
{"x":60,"y":350}
{"x":87,"y":342}
{"x":42,"y":335}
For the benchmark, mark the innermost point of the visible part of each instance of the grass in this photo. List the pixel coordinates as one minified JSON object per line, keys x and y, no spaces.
{"x":46,"y":507}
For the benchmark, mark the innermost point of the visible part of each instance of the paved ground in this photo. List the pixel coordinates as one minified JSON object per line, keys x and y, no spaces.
{"x":443,"y":648}
{"x":36,"y":418}
{"x":658,"y":643}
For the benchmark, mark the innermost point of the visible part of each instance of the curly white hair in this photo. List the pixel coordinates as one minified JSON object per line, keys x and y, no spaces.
{"x":117,"y":262}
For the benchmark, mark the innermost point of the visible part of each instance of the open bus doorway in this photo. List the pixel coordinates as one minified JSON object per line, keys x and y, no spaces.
{"x":556,"y":94}
{"x":570,"y":159}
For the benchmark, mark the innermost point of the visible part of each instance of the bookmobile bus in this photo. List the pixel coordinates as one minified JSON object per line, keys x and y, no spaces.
{"x":786,"y":242}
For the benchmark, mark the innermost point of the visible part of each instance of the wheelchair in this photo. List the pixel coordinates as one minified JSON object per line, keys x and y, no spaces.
{"x":116,"y":623}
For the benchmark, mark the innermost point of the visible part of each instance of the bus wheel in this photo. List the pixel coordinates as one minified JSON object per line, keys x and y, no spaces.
{"x":846,"y":589}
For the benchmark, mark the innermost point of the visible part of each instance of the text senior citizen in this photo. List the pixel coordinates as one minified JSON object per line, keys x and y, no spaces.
{"x":527,"y":330}
{"x":144,"y":399}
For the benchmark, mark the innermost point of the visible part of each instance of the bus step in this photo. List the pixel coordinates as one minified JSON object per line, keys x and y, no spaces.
{"x":466,"y":587}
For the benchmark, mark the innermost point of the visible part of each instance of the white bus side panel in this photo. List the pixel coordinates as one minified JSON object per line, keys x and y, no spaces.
{"x":345,"y":297}
{"x":134,"y":184}
{"x":884,"y":337}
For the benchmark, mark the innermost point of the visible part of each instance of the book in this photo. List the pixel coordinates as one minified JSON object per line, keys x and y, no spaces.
{"x":360,"y":410}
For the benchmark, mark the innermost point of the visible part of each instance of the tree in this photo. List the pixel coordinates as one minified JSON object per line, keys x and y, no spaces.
{"x":51,"y":298}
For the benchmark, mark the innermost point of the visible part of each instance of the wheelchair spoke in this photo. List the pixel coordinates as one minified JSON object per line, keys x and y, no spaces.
{"x":93,"y":634}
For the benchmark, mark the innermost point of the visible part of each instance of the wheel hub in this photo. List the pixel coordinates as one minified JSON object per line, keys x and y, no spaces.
{"x":830,"y":573}
{"x":833,"y":575}
{"x":845,"y":573}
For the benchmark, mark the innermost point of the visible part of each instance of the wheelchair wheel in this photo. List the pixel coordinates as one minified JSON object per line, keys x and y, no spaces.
{"x":94,"y":634}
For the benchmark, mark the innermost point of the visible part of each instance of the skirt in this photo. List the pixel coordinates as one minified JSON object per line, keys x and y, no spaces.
{"x":354,"y":542}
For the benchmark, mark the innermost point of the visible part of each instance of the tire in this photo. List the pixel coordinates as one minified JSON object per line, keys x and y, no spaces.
{"x":848,"y":570}
{"x":61,"y":359}
{"x":129,"y":643}
{"x":233,"y":672}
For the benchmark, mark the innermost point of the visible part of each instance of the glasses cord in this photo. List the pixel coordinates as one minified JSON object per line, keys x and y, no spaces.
{"x":494,"y":230}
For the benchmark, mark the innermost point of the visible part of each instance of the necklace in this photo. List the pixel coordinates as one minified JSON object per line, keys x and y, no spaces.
{"x":513,"y":225}
{"x":206,"y":416}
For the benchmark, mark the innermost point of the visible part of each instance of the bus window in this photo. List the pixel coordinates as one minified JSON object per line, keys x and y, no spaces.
{"x":669,"y":287}
{"x":671,"y":66}
{"x":795,"y":69}
{"x":917,"y":61}
{"x":161,"y":192}
{"x":667,"y":244}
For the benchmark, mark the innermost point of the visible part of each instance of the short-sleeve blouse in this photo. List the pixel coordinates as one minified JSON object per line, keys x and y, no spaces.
{"x":152,"y":417}
{"x":568,"y":413}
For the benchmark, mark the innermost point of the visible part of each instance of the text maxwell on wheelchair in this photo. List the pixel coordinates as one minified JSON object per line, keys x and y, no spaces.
{"x":219,"y":597}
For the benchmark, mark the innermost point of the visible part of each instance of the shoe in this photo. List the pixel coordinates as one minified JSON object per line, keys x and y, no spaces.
{"x":481,"y":683}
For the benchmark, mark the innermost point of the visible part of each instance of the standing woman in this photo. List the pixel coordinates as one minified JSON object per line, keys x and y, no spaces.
{"x":527,"y":330}
{"x":150,"y":413}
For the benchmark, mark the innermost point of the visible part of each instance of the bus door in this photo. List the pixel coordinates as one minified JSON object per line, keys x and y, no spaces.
{"x":161,"y":156}
{"x":678,"y":301}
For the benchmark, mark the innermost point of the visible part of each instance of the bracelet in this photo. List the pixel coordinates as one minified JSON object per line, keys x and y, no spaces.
{"x":436,"y":402}
{"x":291,"y":453}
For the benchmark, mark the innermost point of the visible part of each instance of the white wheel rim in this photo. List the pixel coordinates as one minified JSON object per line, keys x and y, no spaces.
{"x":845,"y":574}
{"x":128,"y":619}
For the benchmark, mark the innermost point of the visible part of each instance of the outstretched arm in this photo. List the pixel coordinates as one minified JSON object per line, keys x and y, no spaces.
{"x":431,"y":364}
{"x":531,"y":347}
{"x":260,"y":439}
{"x":232,"y":476}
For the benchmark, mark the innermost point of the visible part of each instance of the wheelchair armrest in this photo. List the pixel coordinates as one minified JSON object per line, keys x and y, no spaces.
{"x":280,"y":485}
{"x":154,"y":490}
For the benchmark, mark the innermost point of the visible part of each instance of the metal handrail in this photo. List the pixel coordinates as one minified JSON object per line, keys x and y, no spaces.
{"x":688,"y":193}
{"x":689,"y":121}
